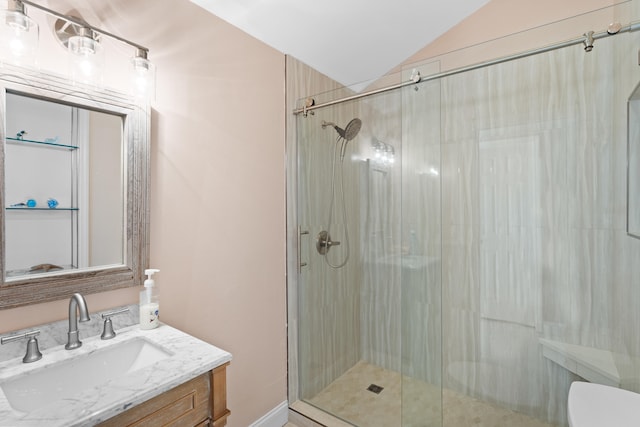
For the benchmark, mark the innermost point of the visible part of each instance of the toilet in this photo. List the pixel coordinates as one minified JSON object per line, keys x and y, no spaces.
{"x":596,"y":405}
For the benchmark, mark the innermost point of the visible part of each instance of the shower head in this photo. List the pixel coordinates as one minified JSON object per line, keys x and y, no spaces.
{"x":347,"y":134}
{"x":350,"y":130}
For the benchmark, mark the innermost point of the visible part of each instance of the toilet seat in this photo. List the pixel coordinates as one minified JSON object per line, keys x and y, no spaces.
{"x":596,"y":405}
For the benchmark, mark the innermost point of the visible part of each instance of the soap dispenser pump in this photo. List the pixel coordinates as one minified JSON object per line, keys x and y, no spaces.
{"x":149,"y":302}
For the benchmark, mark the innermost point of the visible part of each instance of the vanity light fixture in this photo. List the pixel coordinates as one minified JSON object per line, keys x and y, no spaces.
{"x":143,"y":76}
{"x":83,"y":42}
{"x":86,"y":59}
{"x":18,"y":34}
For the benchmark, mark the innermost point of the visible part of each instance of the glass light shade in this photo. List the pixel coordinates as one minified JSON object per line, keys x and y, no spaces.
{"x":83,"y":45}
{"x":143,"y":78}
{"x":86,"y":60}
{"x":18,"y":38}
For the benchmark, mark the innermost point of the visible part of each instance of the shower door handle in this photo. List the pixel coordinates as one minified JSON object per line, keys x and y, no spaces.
{"x":300,"y":262}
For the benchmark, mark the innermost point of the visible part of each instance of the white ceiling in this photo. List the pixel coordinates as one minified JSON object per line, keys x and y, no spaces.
{"x":350,"y":41}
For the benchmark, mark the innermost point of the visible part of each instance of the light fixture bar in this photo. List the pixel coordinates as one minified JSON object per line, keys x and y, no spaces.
{"x":81,"y":23}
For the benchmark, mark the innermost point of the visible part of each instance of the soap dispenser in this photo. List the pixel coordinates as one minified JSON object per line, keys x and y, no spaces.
{"x":149,"y":303}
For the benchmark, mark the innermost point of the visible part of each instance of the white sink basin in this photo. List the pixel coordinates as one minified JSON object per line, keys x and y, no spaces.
{"x":64,"y":379}
{"x":595,"y":405}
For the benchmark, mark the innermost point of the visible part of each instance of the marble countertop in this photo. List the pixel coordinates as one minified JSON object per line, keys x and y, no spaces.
{"x":190,"y":358}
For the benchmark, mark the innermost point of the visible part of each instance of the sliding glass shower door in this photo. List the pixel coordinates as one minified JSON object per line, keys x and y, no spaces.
{"x":369,"y":287}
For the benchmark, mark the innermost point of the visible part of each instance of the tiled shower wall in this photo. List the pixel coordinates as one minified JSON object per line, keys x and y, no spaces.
{"x":533,"y":210}
{"x":400,"y":232}
{"x":327,"y":309}
{"x":379,"y":232}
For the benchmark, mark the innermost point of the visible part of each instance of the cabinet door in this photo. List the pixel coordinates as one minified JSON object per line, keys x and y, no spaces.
{"x":186,"y":405}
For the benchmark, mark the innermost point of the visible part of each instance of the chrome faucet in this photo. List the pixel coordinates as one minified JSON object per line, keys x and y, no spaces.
{"x":77,"y":302}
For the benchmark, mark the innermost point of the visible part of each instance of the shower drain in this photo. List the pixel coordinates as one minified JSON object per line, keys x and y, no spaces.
{"x":375,"y":388}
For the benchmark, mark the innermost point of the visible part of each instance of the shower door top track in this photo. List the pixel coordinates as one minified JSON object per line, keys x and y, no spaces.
{"x":587,"y":39}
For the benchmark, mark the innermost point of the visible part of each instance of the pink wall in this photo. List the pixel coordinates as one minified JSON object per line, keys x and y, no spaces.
{"x":217,"y":191}
{"x":218,"y":202}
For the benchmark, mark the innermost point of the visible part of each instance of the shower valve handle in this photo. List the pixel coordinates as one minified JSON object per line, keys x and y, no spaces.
{"x":324,"y":242}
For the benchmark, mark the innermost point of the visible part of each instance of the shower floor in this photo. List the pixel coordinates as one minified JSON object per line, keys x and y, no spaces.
{"x":348,"y":398}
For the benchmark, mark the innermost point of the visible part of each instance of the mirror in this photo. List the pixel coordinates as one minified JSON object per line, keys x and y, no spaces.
{"x":63,"y":187}
{"x":633,"y":164}
{"x":75,"y":193}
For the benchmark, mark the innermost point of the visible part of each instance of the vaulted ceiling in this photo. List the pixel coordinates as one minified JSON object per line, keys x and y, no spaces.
{"x":350,"y":41}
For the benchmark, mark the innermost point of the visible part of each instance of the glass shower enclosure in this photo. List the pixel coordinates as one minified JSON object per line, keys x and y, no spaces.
{"x":462,"y":260}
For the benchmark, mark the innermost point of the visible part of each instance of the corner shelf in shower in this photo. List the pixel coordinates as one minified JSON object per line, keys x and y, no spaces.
{"x":593,"y":364}
{"x":40,"y":143}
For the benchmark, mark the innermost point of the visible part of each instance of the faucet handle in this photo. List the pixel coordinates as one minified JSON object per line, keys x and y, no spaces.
{"x":107,"y":331}
{"x":33,"y":352}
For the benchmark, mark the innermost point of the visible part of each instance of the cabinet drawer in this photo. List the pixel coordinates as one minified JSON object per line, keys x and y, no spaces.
{"x":185,"y":405}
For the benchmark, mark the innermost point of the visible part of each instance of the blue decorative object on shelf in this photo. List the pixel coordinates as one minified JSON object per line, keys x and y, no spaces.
{"x":21,"y":134}
{"x":31,"y":203}
{"x":53,"y":203}
{"x":52,"y":140}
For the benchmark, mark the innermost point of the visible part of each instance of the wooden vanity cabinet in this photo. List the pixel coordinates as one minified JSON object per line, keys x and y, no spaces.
{"x":219,"y":411}
{"x":200,"y":402}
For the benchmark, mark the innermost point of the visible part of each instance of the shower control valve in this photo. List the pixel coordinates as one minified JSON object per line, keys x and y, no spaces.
{"x":324,"y":242}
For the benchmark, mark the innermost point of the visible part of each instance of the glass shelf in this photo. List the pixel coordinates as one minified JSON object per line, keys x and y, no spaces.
{"x":22,"y":208}
{"x":28,"y":271}
{"x":49,"y":144}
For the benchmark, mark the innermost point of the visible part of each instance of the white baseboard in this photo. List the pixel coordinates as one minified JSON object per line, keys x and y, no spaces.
{"x":277,"y":417}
